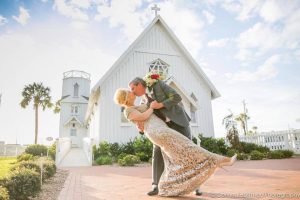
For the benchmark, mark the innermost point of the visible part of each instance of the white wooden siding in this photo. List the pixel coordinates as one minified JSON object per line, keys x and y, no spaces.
{"x":155,"y":44}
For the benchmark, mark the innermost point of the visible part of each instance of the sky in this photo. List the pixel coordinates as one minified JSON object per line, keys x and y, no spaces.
{"x":249,"y":49}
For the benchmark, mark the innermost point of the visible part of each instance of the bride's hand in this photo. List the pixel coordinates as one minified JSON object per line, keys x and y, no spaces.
{"x":156,"y":105}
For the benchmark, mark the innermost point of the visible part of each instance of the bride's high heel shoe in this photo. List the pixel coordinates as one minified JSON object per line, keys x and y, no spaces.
{"x":230,"y":163}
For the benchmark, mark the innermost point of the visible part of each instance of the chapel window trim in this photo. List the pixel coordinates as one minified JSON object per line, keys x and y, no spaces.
{"x":159,"y":66}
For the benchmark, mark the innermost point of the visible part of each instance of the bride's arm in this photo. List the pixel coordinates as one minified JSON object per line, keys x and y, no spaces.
{"x":138,"y":116}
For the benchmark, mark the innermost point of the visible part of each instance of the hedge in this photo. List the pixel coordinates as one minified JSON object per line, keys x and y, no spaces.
{"x":22,"y":183}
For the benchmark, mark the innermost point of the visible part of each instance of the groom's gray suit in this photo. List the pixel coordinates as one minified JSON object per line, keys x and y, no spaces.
{"x":166,"y":95}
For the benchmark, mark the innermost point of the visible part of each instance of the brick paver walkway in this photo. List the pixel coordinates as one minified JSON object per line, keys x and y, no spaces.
{"x":267,"y":179}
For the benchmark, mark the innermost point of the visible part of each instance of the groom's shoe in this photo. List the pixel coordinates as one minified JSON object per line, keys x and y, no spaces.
{"x":198,"y":192}
{"x":153,"y":192}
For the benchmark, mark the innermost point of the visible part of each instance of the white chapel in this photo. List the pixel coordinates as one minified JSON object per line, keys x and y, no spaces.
{"x":156,"y":48}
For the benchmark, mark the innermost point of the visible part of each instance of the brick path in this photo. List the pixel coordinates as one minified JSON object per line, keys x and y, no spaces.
{"x":269,"y":178}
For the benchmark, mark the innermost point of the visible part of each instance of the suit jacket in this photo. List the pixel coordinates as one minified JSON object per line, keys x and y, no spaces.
{"x":163,"y":93}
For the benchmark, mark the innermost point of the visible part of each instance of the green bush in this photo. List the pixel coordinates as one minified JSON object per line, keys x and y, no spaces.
{"x":277,"y":154}
{"x":95,"y":152}
{"x":287,"y":153}
{"x":22,"y":183}
{"x":256,"y":155}
{"x":242,"y":156}
{"x":249,"y":147}
{"x":49,"y":167}
{"x":104,"y":160}
{"x":29,"y":164}
{"x":25,"y":157}
{"x":52,"y":151}
{"x":36,"y":150}
{"x":128,"y":148}
{"x":129,"y":160}
{"x":143,"y":148}
{"x":115,"y":149}
{"x":3,"y":193}
{"x":231,"y":152}
{"x":213,"y":145}
{"x":121,"y":156}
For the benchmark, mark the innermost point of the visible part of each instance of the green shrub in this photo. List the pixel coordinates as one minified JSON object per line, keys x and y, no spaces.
{"x":287,"y":153}
{"x":129,"y":160}
{"x":213,"y":145}
{"x":95,"y":152}
{"x":242,"y":156}
{"x":29,"y":164}
{"x":277,"y":154}
{"x":25,"y":157}
{"x":52,"y":151}
{"x":128,"y":148}
{"x":49,"y":167}
{"x":3,"y":193}
{"x":115,"y":149}
{"x":36,"y":150}
{"x":104,"y":160}
{"x":121,"y":156}
{"x":143,"y":148}
{"x":256,"y":155}
{"x":249,"y":147}
{"x":22,"y":183}
{"x":231,"y":152}
{"x":142,"y":156}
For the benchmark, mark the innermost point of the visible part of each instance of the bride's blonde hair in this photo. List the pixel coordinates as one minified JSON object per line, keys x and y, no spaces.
{"x":121,"y":96}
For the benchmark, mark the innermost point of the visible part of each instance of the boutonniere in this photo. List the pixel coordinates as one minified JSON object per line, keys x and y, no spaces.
{"x":151,"y":78}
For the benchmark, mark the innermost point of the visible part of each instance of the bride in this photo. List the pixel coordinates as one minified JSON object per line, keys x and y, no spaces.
{"x":187,"y":165}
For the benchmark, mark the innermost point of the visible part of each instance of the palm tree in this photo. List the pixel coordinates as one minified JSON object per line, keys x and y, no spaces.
{"x":242,"y":118}
{"x":40,"y":96}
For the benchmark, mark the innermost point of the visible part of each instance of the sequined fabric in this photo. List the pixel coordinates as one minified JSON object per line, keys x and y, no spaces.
{"x":187,"y":165}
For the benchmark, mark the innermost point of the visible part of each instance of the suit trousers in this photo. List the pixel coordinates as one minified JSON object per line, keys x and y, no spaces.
{"x":157,"y":159}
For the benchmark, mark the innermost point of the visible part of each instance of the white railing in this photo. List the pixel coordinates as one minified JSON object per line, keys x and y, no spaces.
{"x":63,"y":146}
{"x":88,"y":148}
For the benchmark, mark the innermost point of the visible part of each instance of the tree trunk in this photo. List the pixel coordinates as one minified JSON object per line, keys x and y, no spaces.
{"x":36,"y":107}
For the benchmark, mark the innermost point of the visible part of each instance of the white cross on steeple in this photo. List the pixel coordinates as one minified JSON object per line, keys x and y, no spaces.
{"x":155,"y":8}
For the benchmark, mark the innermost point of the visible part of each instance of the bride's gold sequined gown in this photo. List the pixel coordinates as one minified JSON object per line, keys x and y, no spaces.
{"x":187,"y":165}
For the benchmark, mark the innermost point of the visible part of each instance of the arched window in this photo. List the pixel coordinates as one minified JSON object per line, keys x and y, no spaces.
{"x":160,"y":67}
{"x":76,"y":89}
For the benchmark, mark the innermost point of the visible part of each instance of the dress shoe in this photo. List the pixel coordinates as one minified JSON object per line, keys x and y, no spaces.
{"x":198,"y":192}
{"x":153,"y":192}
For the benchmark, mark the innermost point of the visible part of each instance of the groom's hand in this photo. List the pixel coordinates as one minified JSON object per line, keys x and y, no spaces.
{"x":156,"y":105}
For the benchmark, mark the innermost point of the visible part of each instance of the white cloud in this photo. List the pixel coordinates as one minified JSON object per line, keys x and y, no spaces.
{"x":263,"y":72}
{"x":3,"y":20}
{"x":124,"y":14}
{"x":72,"y":9}
{"x":209,"y":17}
{"x":23,"y":17}
{"x":218,"y":43}
{"x":186,"y":24}
{"x":132,"y":19}
{"x":260,"y":36}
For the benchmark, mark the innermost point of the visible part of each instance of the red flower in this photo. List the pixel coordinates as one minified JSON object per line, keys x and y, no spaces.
{"x":155,"y":76}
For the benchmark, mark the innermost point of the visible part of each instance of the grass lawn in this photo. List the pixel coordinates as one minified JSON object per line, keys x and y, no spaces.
{"x":5,"y":164}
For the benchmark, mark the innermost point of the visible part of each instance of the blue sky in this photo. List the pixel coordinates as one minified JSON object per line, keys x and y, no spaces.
{"x":249,"y":49}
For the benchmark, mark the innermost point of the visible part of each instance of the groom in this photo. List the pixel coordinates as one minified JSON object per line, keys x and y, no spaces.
{"x":166,"y":106}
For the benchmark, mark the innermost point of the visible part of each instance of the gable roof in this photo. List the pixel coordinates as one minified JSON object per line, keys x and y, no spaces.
{"x":157,"y":19}
{"x":73,"y":119}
